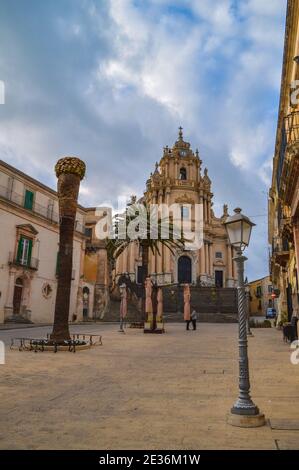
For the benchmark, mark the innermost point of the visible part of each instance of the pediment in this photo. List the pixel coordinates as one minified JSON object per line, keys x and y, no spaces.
{"x":27,"y":228}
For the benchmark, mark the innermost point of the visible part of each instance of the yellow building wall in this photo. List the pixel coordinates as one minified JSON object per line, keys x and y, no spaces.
{"x":90,"y":267}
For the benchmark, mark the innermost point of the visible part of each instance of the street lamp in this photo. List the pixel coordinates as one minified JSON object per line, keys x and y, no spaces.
{"x":244,"y":413}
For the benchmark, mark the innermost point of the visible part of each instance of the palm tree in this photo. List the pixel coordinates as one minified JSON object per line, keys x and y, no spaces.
{"x":69,"y":171}
{"x":164,"y":231}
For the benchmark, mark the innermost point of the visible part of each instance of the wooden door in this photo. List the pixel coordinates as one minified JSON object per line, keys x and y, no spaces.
{"x":17,"y":298}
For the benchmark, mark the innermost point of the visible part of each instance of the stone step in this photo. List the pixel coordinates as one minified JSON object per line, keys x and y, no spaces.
{"x":178,"y":317}
{"x":113,"y":315}
{"x":17,"y":319}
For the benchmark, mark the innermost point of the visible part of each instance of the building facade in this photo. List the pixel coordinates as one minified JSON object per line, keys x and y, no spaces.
{"x":28,"y":250}
{"x":97,"y":271}
{"x":260,"y":296}
{"x":178,"y":179}
{"x":284,"y":191}
{"x":29,"y":243}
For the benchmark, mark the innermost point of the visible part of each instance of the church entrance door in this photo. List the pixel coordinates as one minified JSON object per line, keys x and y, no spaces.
{"x":184,"y":270}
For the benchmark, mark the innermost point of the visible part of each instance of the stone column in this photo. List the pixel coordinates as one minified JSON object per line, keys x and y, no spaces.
{"x":197,"y":172}
{"x":203,"y":271}
{"x":206,"y":211}
{"x":126,"y":259}
{"x":211,"y":259}
{"x":167,"y":253}
{"x":159,"y":257}
{"x":229,"y":267}
{"x":166,"y":169}
{"x":132,"y":258}
{"x":207,"y":259}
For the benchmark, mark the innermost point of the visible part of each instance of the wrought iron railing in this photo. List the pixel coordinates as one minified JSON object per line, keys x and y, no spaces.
{"x":291,"y":124}
{"x":38,"y":209}
{"x":30,"y":263}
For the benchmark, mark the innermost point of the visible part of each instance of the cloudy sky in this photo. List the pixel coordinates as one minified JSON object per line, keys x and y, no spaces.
{"x":111,"y":80}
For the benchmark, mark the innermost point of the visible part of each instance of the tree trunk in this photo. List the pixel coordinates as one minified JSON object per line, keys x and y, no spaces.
{"x":68,"y":189}
{"x":145,"y":258}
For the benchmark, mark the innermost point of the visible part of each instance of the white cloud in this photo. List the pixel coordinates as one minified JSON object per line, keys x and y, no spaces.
{"x":125,"y":74}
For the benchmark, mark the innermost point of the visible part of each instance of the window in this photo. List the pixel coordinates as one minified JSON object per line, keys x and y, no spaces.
{"x":24,"y":251}
{"x":269,"y":289}
{"x":88,"y":232}
{"x":258,"y":291}
{"x":184,"y":212}
{"x":184,"y":270}
{"x":140,"y":275}
{"x":28,"y":200}
{"x":218,"y":255}
{"x":183,"y":174}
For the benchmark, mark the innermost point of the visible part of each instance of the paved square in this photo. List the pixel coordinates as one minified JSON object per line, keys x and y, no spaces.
{"x":139,"y":391}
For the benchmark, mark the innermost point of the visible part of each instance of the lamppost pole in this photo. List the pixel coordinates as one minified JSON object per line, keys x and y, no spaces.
{"x":244,"y":412}
{"x":244,"y":404}
{"x":247,"y":293}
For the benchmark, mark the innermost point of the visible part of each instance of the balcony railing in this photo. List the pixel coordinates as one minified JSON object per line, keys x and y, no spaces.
{"x":38,"y":209}
{"x":291,"y":123}
{"x":289,"y":136}
{"x":31,"y":263}
{"x":280,"y":251}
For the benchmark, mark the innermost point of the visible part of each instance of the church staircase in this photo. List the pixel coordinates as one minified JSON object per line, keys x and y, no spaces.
{"x":213,"y":305}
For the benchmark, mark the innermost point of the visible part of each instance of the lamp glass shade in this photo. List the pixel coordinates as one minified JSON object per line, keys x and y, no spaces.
{"x":246,"y":232}
{"x":238,"y":228}
{"x":234,"y":231}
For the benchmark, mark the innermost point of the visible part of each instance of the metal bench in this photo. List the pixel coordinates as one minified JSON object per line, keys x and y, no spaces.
{"x":37,"y":344}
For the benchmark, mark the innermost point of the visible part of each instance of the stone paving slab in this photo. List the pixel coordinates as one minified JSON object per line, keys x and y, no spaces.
{"x":145,"y":391}
{"x":285,"y":424}
{"x":287,"y":444}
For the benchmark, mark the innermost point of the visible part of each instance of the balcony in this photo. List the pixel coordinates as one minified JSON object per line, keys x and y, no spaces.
{"x":287,"y":171}
{"x":37,"y":209}
{"x":31,"y":263}
{"x":291,"y":124}
{"x":280,"y":251}
{"x":19,"y":200}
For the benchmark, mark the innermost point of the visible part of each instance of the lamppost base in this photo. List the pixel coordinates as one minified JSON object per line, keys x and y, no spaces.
{"x":246,"y":421}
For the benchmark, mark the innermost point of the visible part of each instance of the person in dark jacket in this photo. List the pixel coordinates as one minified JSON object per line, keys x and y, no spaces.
{"x":194,"y":318}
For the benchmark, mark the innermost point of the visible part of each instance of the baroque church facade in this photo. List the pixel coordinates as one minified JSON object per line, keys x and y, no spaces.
{"x":30,"y":227}
{"x":178,"y":179}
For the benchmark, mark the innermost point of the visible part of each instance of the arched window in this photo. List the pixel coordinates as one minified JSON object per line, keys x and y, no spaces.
{"x":183,"y":173}
{"x":184,"y":270}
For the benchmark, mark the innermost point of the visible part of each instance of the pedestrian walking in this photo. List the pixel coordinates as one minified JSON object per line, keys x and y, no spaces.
{"x":187,"y":297}
{"x":194,"y":318}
